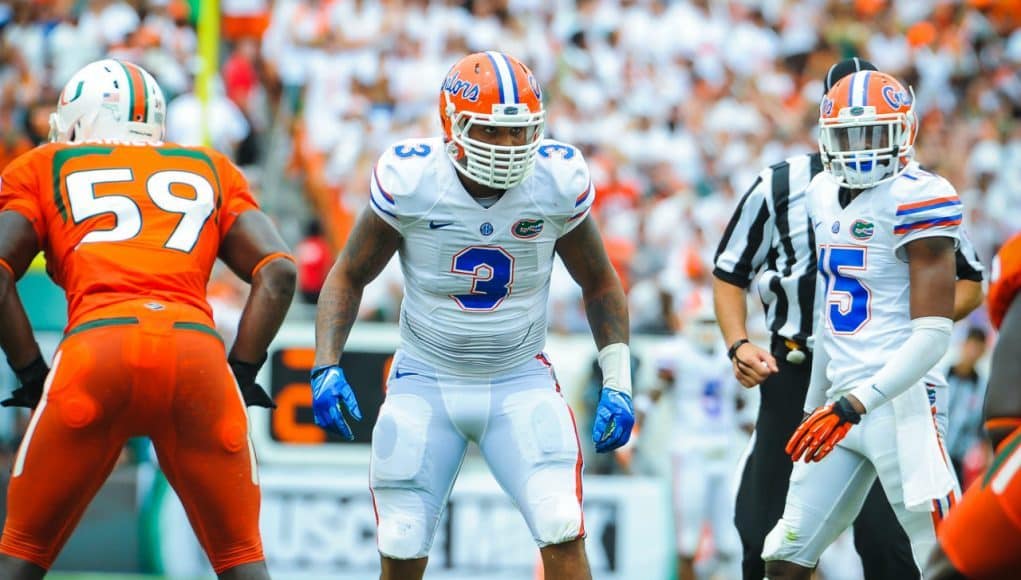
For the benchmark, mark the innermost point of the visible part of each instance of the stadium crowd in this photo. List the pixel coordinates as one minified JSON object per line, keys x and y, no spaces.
{"x":675,"y":104}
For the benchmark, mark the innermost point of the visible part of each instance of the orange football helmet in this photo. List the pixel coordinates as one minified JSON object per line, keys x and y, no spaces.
{"x":496,"y":90}
{"x":867,"y":129}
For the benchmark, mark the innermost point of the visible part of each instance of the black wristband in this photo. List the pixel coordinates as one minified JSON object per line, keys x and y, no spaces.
{"x":732,"y":351}
{"x":845,"y":410}
{"x":245,"y":372}
{"x":36,"y":371}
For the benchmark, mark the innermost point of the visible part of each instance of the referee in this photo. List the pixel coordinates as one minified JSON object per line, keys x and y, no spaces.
{"x":769,"y":235}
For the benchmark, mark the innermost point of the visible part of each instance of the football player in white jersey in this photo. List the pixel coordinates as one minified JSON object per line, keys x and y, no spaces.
{"x":706,"y":439}
{"x":885,"y":232}
{"x":477,"y":218}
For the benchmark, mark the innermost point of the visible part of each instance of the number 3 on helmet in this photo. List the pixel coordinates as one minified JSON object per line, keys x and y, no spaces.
{"x":109,"y":99}
{"x":867,"y":129}
{"x":495,"y":90}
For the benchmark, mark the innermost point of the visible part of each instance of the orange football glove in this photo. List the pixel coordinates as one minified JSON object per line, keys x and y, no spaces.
{"x":822,"y":430}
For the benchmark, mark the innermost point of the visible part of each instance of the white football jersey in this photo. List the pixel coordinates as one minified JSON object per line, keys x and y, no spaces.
{"x":866,"y":311}
{"x":704,"y":391}
{"x":476,"y":279}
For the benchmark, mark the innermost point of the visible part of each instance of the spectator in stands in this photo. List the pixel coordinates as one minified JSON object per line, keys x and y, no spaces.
{"x":314,"y":261}
{"x":966,"y":393}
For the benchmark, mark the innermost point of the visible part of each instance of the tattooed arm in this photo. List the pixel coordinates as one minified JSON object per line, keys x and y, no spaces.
{"x":605,"y":305}
{"x":371,"y":245}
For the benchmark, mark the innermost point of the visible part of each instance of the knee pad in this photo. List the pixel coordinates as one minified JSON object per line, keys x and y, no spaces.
{"x":404,"y":531}
{"x":783,"y":543}
{"x":554,"y":508}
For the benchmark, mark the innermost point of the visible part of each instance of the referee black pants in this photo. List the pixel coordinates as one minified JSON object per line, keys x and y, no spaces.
{"x":878,"y":537}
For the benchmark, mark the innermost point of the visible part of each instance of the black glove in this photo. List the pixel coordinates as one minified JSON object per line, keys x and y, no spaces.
{"x":253,"y":394}
{"x":32,"y":379}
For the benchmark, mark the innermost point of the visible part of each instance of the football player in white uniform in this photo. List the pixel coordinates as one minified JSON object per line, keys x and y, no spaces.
{"x":476,"y":218}
{"x":885,"y":233}
{"x":706,"y":438}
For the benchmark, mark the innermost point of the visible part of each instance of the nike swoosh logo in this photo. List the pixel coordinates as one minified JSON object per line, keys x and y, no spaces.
{"x":400,"y":375}
{"x":433,"y":225}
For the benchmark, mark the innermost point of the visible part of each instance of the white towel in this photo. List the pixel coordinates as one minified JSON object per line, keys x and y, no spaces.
{"x":925,"y":476}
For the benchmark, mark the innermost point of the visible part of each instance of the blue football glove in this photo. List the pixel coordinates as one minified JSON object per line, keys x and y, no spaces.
{"x":615,"y":416}
{"x":330,"y":391}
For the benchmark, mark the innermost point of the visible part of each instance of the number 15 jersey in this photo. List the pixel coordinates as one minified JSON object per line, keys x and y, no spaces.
{"x":866,"y":310}
{"x":122,"y":221}
{"x":476,"y":278}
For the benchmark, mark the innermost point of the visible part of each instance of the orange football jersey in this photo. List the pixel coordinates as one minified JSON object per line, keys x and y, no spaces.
{"x":1005,"y":280}
{"x":121,"y":222}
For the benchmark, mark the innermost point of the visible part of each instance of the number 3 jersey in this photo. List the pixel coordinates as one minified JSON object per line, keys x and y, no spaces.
{"x":125,"y":221}
{"x":865,"y":305}
{"x":476,"y":278}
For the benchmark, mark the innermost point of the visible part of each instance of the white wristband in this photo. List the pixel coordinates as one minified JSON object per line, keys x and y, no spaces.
{"x":615,"y":362}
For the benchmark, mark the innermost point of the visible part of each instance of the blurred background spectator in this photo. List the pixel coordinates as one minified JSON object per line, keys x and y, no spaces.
{"x":967,"y":392}
{"x":672,"y":123}
{"x":314,"y":262}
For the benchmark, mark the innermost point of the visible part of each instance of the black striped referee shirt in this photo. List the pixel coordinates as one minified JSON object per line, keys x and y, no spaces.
{"x":770,"y":235}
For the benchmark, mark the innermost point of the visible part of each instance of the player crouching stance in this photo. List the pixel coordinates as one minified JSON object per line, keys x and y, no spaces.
{"x":885,"y":233}
{"x":476,"y":218}
{"x":131,"y":227}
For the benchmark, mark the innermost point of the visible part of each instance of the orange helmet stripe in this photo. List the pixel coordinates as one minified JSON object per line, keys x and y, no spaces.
{"x":136,"y":92}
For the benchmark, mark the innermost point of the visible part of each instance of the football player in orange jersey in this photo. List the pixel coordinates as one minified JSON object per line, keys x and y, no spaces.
{"x":131,"y":227}
{"x":982,"y":537}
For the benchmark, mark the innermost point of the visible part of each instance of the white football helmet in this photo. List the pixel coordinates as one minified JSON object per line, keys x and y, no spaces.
{"x":109,"y":99}
{"x":700,"y":328}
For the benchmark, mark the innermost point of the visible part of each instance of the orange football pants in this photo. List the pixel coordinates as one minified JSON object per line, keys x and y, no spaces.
{"x":145,"y":374}
{"x":982,"y":536}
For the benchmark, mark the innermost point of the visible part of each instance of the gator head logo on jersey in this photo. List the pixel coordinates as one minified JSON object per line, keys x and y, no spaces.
{"x":527,"y":228}
{"x":491,"y":89}
{"x":867,"y":129}
{"x":109,"y":99}
{"x":862,"y":230}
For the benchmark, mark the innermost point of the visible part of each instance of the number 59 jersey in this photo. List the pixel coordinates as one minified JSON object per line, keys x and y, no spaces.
{"x":124,"y":221}
{"x":476,"y":278}
{"x":865,"y":306}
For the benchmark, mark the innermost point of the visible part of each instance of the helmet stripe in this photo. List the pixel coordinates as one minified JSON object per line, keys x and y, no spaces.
{"x":858,"y":89}
{"x":504,"y":77}
{"x":136,"y":92}
{"x":514,"y":78}
{"x":865,"y":91}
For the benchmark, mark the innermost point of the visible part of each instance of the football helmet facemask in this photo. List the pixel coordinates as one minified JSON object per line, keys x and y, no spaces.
{"x":495,"y":90}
